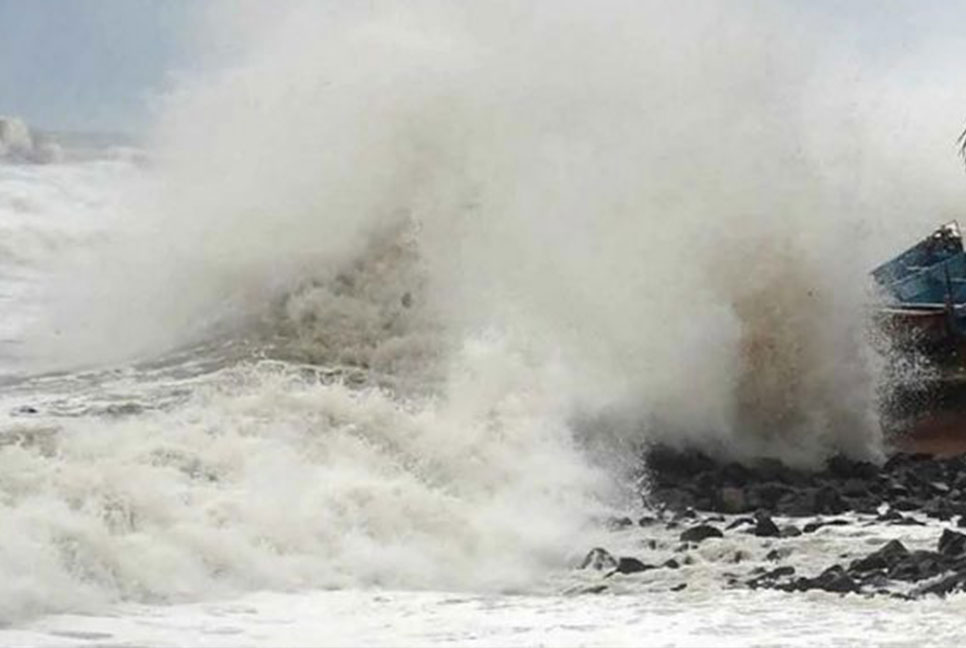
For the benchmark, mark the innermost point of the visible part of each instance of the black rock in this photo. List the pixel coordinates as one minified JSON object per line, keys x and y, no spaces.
{"x":835,"y":579}
{"x":600,"y":559}
{"x":765,"y":527}
{"x":917,"y":566}
{"x":789,"y":531}
{"x":888,"y":555}
{"x":628,"y":565}
{"x":952,"y":544}
{"x":700,"y":533}
{"x":671,"y":563}
{"x":679,"y":587}
{"x":952,"y":583}
{"x":813,"y":526}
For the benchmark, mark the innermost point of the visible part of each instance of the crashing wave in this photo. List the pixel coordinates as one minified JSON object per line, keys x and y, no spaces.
{"x":19,"y":144}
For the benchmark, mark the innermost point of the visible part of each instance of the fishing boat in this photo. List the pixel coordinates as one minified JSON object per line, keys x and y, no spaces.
{"x":923,"y":319}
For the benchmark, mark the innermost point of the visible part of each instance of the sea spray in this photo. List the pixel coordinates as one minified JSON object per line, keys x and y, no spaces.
{"x":507,"y":218}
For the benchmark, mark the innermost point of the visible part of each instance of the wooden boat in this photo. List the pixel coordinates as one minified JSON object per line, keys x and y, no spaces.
{"x":923,"y":319}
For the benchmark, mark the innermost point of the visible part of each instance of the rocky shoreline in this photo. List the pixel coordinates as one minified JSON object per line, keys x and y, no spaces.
{"x":693,"y":500}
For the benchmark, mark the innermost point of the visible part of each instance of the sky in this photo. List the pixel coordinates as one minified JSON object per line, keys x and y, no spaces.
{"x":97,"y":64}
{"x":91,"y":64}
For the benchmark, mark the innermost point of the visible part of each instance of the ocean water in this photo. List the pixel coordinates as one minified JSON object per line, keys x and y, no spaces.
{"x":365,"y":353}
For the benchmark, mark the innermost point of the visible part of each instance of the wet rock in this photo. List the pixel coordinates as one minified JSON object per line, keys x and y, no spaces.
{"x":700,"y":533}
{"x":952,"y":544}
{"x":618,"y":523}
{"x":789,"y":531}
{"x":955,"y":582}
{"x":834,"y":579}
{"x":647,"y":520}
{"x":671,"y":563}
{"x":884,"y":558}
{"x":599,"y":559}
{"x":679,"y":587}
{"x":813,"y":526}
{"x":917,"y":566}
{"x":629,"y":565}
{"x":765,"y":527}
{"x":778,"y":554}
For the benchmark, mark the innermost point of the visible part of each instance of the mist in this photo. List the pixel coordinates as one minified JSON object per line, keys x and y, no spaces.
{"x":671,"y":208}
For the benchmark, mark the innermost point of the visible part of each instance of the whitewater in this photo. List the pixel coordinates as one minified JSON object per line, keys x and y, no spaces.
{"x":362,"y":343}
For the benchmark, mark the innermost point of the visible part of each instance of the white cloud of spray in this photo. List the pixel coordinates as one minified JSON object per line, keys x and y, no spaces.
{"x":657,"y":217}
{"x":679,"y":201}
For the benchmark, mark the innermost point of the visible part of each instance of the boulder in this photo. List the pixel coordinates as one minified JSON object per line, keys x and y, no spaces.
{"x":700,"y":533}
{"x":834,"y":579}
{"x":891,"y":553}
{"x":629,"y":565}
{"x":599,"y":559}
{"x":765,"y":527}
{"x":952,"y":544}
